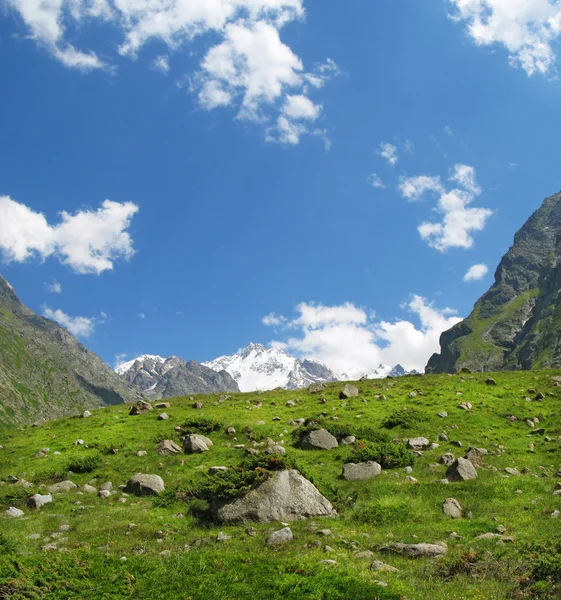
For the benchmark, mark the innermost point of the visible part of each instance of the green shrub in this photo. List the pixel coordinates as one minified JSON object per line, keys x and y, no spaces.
{"x":388,"y":454}
{"x":202,"y":426}
{"x":84,"y":464}
{"x":546,"y":562}
{"x":383,"y":514}
{"x":404,"y":417}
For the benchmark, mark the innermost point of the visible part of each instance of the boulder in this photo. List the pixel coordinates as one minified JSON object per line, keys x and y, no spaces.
{"x":89,"y":489}
{"x":285,"y":496}
{"x":104,"y":494}
{"x":86,"y":414}
{"x":216,"y":470}
{"x":140,"y":407}
{"x":38,"y":500}
{"x":512,"y":471}
{"x":145,"y":485}
{"x":475,"y":455}
{"x":465,"y":405}
{"x":63,"y":486}
{"x":348,"y":440}
{"x":195,"y":444}
{"x":168,"y":448}
{"x":382,"y":567}
{"x":14,"y":512}
{"x":162,"y":405}
{"x":348,"y":391}
{"x":316,"y":388}
{"x":276,"y":449}
{"x":361,"y":471}
{"x":280,"y":537}
{"x":418,"y":443}
{"x":461,"y":470}
{"x":452,"y":508}
{"x":163,"y":417}
{"x":418,"y":550}
{"x":319,"y":439}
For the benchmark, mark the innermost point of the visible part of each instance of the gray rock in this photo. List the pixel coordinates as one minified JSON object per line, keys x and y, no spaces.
{"x":162,"y":405}
{"x":320,"y":439}
{"x":163,"y":417}
{"x":276,"y":449}
{"x":63,"y":486}
{"x":14,"y":512}
{"x":364,"y":554}
{"x":280,"y":537}
{"x":476,"y":455}
{"x":231,"y":431}
{"x":104,"y":494}
{"x":140,"y":407}
{"x":86,"y":414}
{"x":361,"y":471}
{"x":382,"y":567}
{"x":465,"y":405}
{"x":348,"y":391}
{"x":328,"y":561}
{"x":168,"y":448}
{"x":215,"y":470}
{"x":223,"y":537}
{"x":348,"y":440}
{"x":196,"y":444}
{"x":106,"y":486}
{"x":418,"y":443}
{"x":285,"y":496}
{"x":461,"y":470}
{"x":410,"y":479}
{"x":452,"y":508}
{"x":447,"y":459}
{"x":512,"y":471}
{"x":418,"y":550}
{"x":145,"y":485}
{"x":316,"y":388}
{"x":442,"y":414}
{"x":141,"y":453}
{"x":38,"y":500}
{"x":89,"y":489}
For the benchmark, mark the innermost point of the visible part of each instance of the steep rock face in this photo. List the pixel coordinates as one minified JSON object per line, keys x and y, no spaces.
{"x":45,"y":373}
{"x":517,"y":323}
{"x":167,"y":378}
{"x":259,"y":368}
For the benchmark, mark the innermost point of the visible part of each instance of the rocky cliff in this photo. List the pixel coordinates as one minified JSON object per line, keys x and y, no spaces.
{"x":517,"y":323}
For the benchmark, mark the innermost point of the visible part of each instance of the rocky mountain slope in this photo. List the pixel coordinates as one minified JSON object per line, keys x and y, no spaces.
{"x":517,"y":323}
{"x":167,"y":377}
{"x":259,"y":368}
{"x":45,"y":372}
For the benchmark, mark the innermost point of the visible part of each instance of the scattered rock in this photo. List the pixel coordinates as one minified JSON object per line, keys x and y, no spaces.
{"x":163,"y":417}
{"x":461,"y":470}
{"x":490,"y":381}
{"x":280,"y":537}
{"x":141,"y":453}
{"x":319,"y":439}
{"x":223,"y":537}
{"x":145,"y":485}
{"x":14,"y":512}
{"x":382,"y":567}
{"x":488,"y":536}
{"x":63,"y":486}
{"x":418,"y":443}
{"x":442,"y":414}
{"x":195,"y":444}
{"x":285,"y":496}
{"x":38,"y":500}
{"x":364,"y":554}
{"x":512,"y":471}
{"x":89,"y":489}
{"x":465,"y":405}
{"x":348,"y":391}
{"x":86,"y":414}
{"x":361,"y":471}
{"x":328,"y":561}
{"x":215,"y":470}
{"x":348,"y":440}
{"x":410,"y":479}
{"x":447,"y":459}
{"x":231,"y":431}
{"x":104,"y":494}
{"x":418,"y":550}
{"x":162,"y":405}
{"x":106,"y":486}
{"x":168,"y":448}
{"x":452,"y":508}
{"x":475,"y":455}
{"x":79,"y":443}
{"x":140,"y":407}
{"x":198,"y":405}
{"x":315,"y":388}
{"x":276,"y":449}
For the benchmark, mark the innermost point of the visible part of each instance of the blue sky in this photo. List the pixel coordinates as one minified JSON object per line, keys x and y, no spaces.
{"x":238,"y":142}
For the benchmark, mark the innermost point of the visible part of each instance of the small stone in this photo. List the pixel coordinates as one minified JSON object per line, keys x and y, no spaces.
{"x":231,"y":431}
{"x":442,"y":414}
{"x":141,"y":453}
{"x":382,"y":567}
{"x":106,"y":486}
{"x":457,"y":443}
{"x":89,"y":489}
{"x":465,"y":405}
{"x":163,"y":417}
{"x":447,"y":459}
{"x":215,"y":470}
{"x":14,"y":512}
{"x":490,"y":381}
{"x":418,"y":443}
{"x":79,"y":443}
{"x":168,"y":448}
{"x":104,"y":494}
{"x":512,"y":471}
{"x":251,"y":531}
{"x":452,"y":508}
{"x":461,"y":470}
{"x":348,"y":391}
{"x":86,"y":414}
{"x":364,"y":554}
{"x":223,"y":537}
{"x":63,"y":486}
{"x":162,"y":405}
{"x":410,"y":479}
{"x":443,"y":437}
{"x":325,"y":532}
{"x":280,"y":537}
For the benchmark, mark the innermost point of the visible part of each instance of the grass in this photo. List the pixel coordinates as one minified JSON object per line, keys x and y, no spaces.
{"x":172,"y":549}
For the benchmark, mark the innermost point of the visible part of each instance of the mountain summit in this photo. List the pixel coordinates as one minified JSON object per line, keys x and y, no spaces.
{"x":517,"y":323}
{"x":258,"y":368}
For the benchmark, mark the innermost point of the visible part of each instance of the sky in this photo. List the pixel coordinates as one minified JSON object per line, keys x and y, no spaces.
{"x":339,"y":179}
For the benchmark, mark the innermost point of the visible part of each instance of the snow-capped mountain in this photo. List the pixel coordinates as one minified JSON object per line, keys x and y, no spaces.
{"x":161,"y":377}
{"x":259,"y":368}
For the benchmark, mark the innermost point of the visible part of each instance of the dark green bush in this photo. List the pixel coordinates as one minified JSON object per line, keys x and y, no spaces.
{"x":388,"y":454}
{"x":546,"y":562}
{"x":404,"y":417}
{"x":202,"y":426}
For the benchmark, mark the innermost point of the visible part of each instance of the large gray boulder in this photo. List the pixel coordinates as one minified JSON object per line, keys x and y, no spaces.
{"x":140,"y":407}
{"x":418,"y":443}
{"x":461,"y":470}
{"x":168,"y":448}
{"x":145,"y":485}
{"x":349,"y":391}
{"x":38,"y":500}
{"x":320,"y":439}
{"x":452,"y":508}
{"x":418,"y":550}
{"x":476,"y":455}
{"x":63,"y":486}
{"x":285,"y":496}
{"x":361,"y":471}
{"x":195,"y":444}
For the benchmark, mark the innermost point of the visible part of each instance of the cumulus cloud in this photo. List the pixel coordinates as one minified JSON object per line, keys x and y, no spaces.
{"x":526,"y":28}
{"x":458,"y":220}
{"x":375,"y":181}
{"x":476,"y":272}
{"x":88,"y":241}
{"x":388,"y":152}
{"x":273,"y":320}
{"x":351,"y":341}
{"x":248,"y":67}
{"x":78,"y":326}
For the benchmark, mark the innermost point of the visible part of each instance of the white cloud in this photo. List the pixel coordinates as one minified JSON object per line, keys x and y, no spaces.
{"x":526,"y":28}
{"x":375,"y":181}
{"x":88,"y":241}
{"x":141,"y":315}
{"x":161,"y":63}
{"x":389,"y":152}
{"x":414,"y":188}
{"x":458,"y":220}
{"x":248,"y":67}
{"x":78,"y":326}
{"x":449,"y":131}
{"x":273,"y":320}
{"x":54,"y":287}
{"x":476,"y":272}
{"x":120,"y":359}
{"x":349,"y":340}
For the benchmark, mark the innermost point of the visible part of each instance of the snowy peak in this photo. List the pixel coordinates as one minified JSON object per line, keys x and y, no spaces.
{"x":144,"y":358}
{"x":256,"y":368}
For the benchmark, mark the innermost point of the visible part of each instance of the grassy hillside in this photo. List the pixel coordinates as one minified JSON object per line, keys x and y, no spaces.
{"x":152,"y":548}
